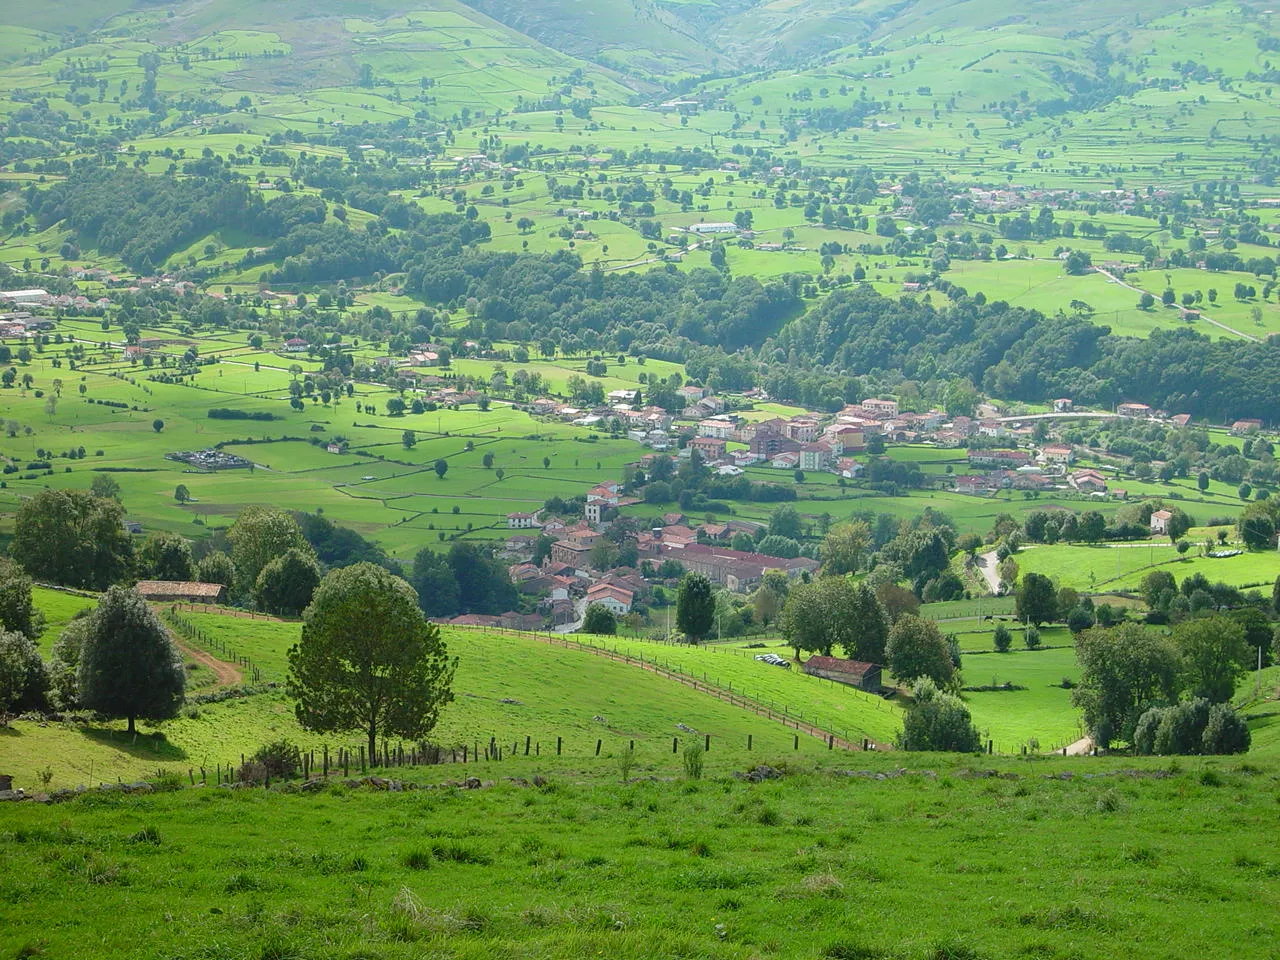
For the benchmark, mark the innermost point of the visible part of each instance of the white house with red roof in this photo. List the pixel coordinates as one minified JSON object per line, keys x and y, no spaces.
{"x":611,"y":596}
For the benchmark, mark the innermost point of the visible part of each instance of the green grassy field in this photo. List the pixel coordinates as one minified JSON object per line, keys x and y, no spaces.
{"x":1122,"y":566}
{"x":819,"y":863}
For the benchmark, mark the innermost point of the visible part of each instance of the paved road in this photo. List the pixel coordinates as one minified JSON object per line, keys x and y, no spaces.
{"x":987,"y":564}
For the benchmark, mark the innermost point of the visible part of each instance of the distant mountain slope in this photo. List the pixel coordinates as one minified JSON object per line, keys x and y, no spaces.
{"x":464,"y":57}
{"x":643,"y":37}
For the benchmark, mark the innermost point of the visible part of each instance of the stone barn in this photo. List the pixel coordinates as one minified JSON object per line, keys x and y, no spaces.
{"x":855,"y":673}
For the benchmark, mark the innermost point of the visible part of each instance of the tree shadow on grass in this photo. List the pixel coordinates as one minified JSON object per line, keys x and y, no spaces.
{"x":142,"y":746}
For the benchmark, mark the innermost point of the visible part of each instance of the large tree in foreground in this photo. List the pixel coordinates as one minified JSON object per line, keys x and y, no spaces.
{"x":72,"y":537}
{"x":368,"y":660}
{"x":129,"y":666}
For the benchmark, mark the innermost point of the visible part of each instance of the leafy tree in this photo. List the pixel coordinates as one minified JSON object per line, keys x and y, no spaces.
{"x":776,"y":546}
{"x":1124,"y":671}
{"x":1257,"y":633}
{"x":1178,"y":524}
{"x":1156,"y":585}
{"x":599,"y":619}
{"x":286,"y":584}
{"x":937,"y":721}
{"x":1031,"y":637}
{"x":1257,"y":526}
{"x":858,"y":621}
{"x":1091,"y":526}
{"x":802,"y":623}
{"x":181,"y":493}
{"x":165,"y":556}
{"x":484,"y":586}
{"x":844,"y":547}
{"x":441,"y":467}
{"x":24,"y":680}
{"x":1008,"y":571}
{"x":1036,"y":601}
{"x":836,"y":612}
{"x":368,"y":660}
{"x":106,"y":486}
{"x":157,"y":425}
{"x":1079,"y":619}
{"x":695,"y":607}
{"x":17,"y":608}
{"x":1191,"y":727}
{"x":1202,"y":481}
{"x":896,"y":600}
{"x":409,"y":439}
{"x":785,"y":522}
{"x":1214,"y":656}
{"x":259,"y":536}
{"x":767,"y":603}
{"x":436,"y":586}
{"x":1226,"y":732}
{"x":64,"y":662}
{"x":72,"y":537}
{"x":217,"y":567}
{"x":1002,"y":639}
{"x":128,"y":665}
{"x":916,"y":649}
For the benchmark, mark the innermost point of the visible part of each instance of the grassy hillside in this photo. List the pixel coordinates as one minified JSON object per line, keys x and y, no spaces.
{"x":509,"y":687}
{"x":1023,"y":859}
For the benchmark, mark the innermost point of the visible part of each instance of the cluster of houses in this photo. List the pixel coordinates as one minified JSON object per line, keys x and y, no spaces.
{"x":20,"y":324}
{"x":567,"y":580}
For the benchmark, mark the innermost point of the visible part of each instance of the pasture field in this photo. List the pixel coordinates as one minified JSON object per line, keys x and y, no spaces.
{"x":849,"y":712}
{"x":1123,"y":566}
{"x":718,"y":868}
{"x":1041,"y":711}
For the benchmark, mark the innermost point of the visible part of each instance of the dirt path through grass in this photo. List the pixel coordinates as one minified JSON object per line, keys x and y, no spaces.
{"x":226,"y":674}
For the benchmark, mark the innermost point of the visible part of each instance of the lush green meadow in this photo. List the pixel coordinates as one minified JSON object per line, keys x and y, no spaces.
{"x":1123,"y":566}
{"x":825,"y":862}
